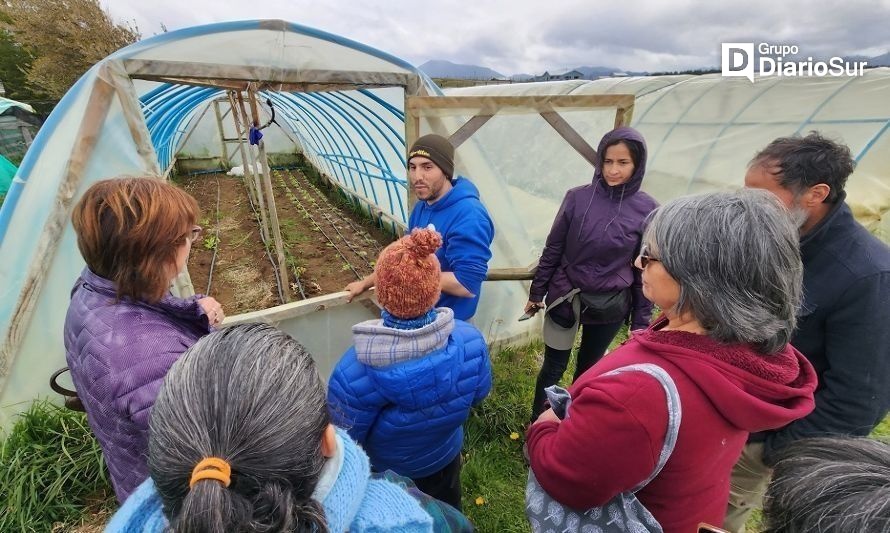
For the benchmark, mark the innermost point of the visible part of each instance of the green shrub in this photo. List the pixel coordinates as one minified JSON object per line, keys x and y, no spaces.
{"x":51,"y":470}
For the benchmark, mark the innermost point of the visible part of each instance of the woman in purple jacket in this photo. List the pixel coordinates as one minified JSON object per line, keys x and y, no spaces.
{"x":586,"y":269}
{"x":124,"y":329}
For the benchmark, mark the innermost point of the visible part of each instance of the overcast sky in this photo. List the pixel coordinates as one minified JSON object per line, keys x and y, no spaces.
{"x":522,"y":36}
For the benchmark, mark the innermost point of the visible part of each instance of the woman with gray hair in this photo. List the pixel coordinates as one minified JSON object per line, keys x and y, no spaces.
{"x":725,"y":270}
{"x":240,"y":440}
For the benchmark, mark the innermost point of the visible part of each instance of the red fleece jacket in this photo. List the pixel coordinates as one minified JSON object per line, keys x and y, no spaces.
{"x":616,"y":426}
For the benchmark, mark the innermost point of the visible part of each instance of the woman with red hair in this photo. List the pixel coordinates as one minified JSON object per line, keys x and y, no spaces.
{"x":124,"y":329}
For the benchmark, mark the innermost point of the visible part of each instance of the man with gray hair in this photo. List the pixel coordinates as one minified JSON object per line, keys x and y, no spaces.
{"x":830,"y":485}
{"x":841,"y":324}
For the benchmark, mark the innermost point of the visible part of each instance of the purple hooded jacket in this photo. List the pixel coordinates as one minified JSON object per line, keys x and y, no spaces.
{"x":119,"y":353}
{"x":595,"y":237}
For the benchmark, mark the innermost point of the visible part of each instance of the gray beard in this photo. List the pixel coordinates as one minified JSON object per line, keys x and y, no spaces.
{"x":799,"y":216}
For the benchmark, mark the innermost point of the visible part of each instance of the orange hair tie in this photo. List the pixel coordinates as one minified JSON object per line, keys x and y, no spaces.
{"x":212,"y":468}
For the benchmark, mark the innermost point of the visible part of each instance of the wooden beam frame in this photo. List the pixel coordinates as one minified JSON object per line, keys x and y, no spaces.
{"x":483,"y":108}
{"x":270,"y":198}
{"x":241,"y":113}
{"x":237,"y":77}
{"x":48,"y":243}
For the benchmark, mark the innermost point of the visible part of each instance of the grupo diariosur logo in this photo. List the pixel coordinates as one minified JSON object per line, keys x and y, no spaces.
{"x":738,"y":61}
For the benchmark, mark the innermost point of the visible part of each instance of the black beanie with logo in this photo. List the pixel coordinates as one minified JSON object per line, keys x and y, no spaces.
{"x":437,"y":149}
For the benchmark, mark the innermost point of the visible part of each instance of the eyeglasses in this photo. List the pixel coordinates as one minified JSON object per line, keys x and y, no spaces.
{"x":645,"y":258}
{"x":195,"y":233}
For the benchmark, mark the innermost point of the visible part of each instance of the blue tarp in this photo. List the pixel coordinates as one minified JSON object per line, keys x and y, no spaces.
{"x":7,"y":172}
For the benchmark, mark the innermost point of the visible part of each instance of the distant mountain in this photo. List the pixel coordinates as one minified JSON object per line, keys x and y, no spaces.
{"x":521,"y":77}
{"x":880,"y":61}
{"x":439,"y":68}
{"x":592,"y":73}
{"x":595,"y":72}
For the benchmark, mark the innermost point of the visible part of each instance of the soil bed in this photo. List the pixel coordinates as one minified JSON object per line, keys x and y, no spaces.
{"x":327,"y":245}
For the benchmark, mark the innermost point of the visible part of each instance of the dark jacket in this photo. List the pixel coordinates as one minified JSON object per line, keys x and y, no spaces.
{"x":119,"y":353}
{"x":467,"y":232}
{"x":594,"y":239}
{"x":616,"y":425}
{"x":842,"y":329}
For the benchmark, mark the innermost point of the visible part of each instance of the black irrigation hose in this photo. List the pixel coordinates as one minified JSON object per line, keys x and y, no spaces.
{"x":346,"y":219}
{"x":216,"y":242}
{"x":331,"y":222}
{"x":318,"y":227}
{"x":348,"y":244}
{"x":256,"y":215}
{"x":342,"y":218}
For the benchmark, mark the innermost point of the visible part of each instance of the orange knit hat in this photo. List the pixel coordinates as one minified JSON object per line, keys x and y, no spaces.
{"x":408,"y":274}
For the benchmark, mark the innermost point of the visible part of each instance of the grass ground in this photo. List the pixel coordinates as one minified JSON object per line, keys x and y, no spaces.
{"x":52,"y":477}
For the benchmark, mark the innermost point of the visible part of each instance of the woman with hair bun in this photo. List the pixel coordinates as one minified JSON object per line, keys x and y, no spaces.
{"x":405,"y":389}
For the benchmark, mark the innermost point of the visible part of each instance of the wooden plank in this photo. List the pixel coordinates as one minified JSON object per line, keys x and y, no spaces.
{"x":126,"y":93}
{"x":280,"y":313}
{"x":268,"y":76}
{"x":222,"y":134}
{"x":511,"y":274}
{"x":47,"y":244}
{"x":270,"y":200}
{"x":567,"y":132}
{"x":250,"y":173}
{"x":246,"y":177}
{"x":623,"y":116}
{"x":412,"y":133}
{"x":468,"y":129}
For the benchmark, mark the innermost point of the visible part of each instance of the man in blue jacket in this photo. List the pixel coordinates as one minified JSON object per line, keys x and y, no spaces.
{"x":451,"y":204}
{"x":841,"y":327}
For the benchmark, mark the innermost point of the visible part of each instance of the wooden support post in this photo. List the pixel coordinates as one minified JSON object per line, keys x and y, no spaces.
{"x":222,"y":136}
{"x":132,"y":111}
{"x":412,"y":132}
{"x":568,"y":133}
{"x":258,"y":188}
{"x":468,"y":129}
{"x":270,"y":196}
{"x":26,"y":135}
{"x":248,"y":177}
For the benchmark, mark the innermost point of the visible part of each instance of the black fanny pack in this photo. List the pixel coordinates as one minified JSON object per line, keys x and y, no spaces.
{"x":605,"y":306}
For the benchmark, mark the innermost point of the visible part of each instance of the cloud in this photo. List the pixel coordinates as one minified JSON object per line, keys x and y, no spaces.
{"x":525,"y":36}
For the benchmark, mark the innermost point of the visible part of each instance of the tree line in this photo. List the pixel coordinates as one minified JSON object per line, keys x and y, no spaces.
{"x":46,"y":45}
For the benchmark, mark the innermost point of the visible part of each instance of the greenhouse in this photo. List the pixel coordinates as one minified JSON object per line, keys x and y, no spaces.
{"x":188,"y":102}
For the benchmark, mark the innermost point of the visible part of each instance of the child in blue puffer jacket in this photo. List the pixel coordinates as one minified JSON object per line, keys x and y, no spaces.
{"x":405,"y":389}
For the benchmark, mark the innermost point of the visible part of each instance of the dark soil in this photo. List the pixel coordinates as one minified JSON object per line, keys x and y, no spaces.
{"x":326,"y":244}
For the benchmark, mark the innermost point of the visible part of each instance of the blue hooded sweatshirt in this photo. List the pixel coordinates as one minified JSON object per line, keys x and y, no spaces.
{"x":467,"y":232}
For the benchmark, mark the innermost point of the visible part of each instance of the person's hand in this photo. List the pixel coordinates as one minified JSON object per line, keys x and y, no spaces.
{"x":354,"y":289}
{"x":532,"y":307}
{"x":548,"y":416}
{"x":213,"y":309}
